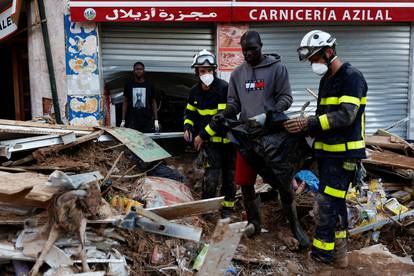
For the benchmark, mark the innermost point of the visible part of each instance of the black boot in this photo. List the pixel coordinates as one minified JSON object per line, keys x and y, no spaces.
{"x":252,"y":208}
{"x":297,"y":231}
{"x":226,"y":212}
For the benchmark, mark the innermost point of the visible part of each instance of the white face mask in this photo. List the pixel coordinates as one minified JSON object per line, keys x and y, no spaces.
{"x":319,"y":68}
{"x":207,"y":79}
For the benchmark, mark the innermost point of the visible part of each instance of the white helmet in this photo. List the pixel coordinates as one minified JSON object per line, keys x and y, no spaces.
{"x":204,"y":58}
{"x":313,"y":42}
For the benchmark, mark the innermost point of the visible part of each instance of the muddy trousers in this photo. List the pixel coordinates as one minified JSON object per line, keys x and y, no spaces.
{"x":336,"y":176}
{"x":219,"y":161}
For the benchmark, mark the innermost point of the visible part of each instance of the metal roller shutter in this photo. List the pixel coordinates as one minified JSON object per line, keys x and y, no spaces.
{"x":381,"y":52}
{"x":162,"y":48}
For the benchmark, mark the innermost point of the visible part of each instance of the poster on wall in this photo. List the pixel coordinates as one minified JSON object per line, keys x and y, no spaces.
{"x":82,"y":69}
{"x":81,"y":48}
{"x":229,"y":51}
{"x":84,"y":110}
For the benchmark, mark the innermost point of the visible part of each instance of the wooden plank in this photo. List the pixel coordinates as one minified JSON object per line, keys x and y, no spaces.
{"x":47,"y":126}
{"x":14,"y":131}
{"x":41,"y":192}
{"x":17,"y":187}
{"x":384,"y":142}
{"x":223,"y":244}
{"x":13,"y":183}
{"x":141,"y":145}
{"x":188,"y":209}
{"x":12,"y":169}
{"x":20,"y":200}
{"x":18,"y":111}
{"x":381,"y":132}
{"x":389,"y":159}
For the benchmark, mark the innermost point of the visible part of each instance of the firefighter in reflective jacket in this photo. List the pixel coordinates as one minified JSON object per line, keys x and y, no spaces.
{"x":207,"y":98}
{"x":338,"y":128}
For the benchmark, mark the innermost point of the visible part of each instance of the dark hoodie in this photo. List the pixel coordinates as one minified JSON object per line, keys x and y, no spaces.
{"x":259,"y":89}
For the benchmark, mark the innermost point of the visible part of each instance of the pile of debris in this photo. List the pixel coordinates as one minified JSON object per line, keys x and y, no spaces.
{"x":384,"y":201}
{"x":82,"y":200}
{"x":113,"y":202}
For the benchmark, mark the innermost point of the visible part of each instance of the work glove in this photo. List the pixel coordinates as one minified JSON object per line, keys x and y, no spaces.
{"x":122,"y":123}
{"x":156,"y":126}
{"x":260,"y":119}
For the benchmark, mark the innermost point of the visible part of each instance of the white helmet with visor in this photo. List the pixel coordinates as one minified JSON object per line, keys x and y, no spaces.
{"x":313,"y":42}
{"x":204,"y":59}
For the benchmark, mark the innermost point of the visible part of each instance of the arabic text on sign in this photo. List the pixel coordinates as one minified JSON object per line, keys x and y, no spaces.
{"x":146,"y":15}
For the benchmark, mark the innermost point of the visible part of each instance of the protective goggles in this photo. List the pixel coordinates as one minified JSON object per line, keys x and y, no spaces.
{"x":306,"y":52}
{"x":203,"y":59}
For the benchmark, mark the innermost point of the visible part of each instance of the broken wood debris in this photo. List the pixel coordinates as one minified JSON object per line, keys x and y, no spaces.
{"x":389,"y":159}
{"x":224,"y":242}
{"x":148,"y":229}
{"x":188,"y":209}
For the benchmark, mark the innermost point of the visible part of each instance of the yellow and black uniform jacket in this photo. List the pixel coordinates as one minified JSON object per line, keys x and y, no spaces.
{"x":202,"y":106}
{"x":339,"y":124}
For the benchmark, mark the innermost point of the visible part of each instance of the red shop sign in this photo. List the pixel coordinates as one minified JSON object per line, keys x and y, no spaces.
{"x":150,"y":11}
{"x":242,"y":11}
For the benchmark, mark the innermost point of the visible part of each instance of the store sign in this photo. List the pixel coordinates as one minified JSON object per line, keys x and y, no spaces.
{"x":8,"y":9}
{"x":146,"y":11}
{"x":324,"y":11}
{"x":243,"y":11}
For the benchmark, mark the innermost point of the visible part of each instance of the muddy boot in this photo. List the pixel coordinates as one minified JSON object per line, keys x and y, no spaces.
{"x":295,"y":227}
{"x":226,"y":212}
{"x":253,"y":217}
{"x":340,"y":254}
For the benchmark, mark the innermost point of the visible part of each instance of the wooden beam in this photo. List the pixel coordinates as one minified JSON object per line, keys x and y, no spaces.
{"x":16,"y":86}
{"x":388,"y":142}
{"x":42,"y":125}
{"x":188,"y":209}
{"x":389,"y":159}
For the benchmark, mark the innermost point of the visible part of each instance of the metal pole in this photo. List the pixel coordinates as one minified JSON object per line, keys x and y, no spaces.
{"x":49,"y":60}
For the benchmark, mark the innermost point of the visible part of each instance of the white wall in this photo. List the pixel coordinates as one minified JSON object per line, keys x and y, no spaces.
{"x":39,"y":76}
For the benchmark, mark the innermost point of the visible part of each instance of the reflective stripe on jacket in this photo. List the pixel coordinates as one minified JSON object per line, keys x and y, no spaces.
{"x":339,"y":124}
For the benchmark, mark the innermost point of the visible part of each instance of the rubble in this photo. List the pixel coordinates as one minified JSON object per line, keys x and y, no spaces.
{"x":134,"y":223}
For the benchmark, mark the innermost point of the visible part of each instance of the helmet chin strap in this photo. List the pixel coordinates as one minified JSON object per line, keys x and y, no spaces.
{"x":329,"y":60}
{"x":332,"y":59}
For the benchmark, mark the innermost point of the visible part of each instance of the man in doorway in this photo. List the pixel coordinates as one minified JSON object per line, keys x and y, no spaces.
{"x":338,"y":128}
{"x":207,"y":98}
{"x":139,"y":110}
{"x":260,"y":90}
